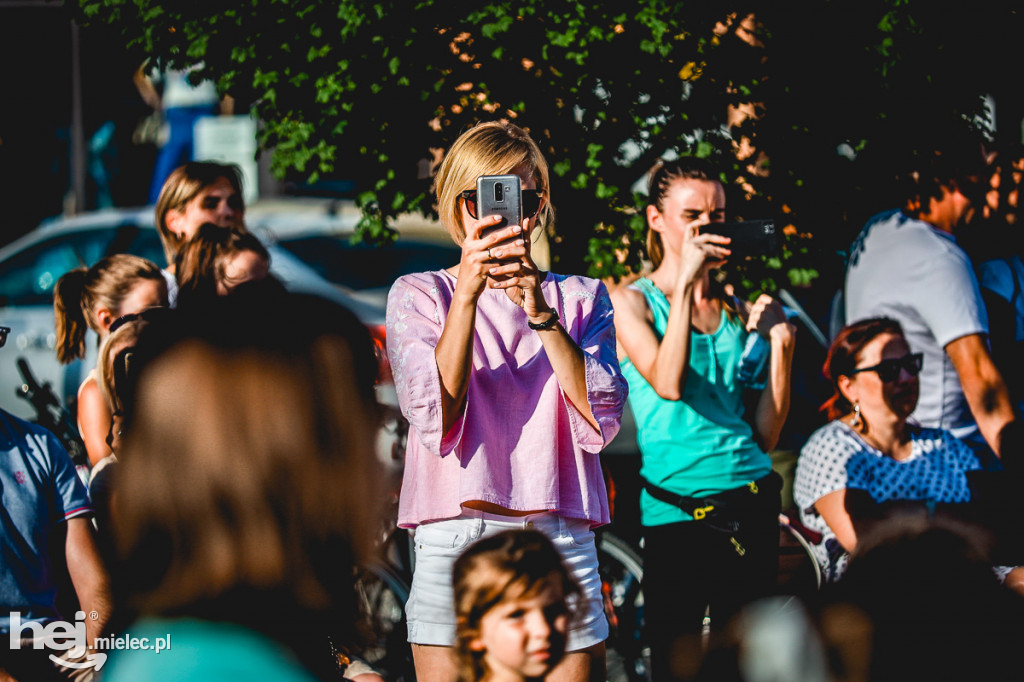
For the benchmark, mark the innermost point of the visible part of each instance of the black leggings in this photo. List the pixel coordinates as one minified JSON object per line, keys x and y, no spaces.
{"x":689,"y":566}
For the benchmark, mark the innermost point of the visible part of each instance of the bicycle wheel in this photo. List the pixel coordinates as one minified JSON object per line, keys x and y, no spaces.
{"x":382,"y":595}
{"x":622,"y":572}
{"x":799,"y":573}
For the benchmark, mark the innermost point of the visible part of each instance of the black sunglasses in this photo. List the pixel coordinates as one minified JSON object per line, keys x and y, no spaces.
{"x":147,"y":315}
{"x":889,"y":370}
{"x":122,"y":321}
{"x":531,"y":202}
{"x":4,"y":331}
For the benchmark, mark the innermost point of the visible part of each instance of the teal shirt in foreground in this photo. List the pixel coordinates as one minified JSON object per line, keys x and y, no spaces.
{"x":202,"y":651}
{"x":698,"y":445}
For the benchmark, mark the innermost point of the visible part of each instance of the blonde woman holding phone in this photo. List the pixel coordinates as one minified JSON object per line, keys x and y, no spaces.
{"x":508,"y":378}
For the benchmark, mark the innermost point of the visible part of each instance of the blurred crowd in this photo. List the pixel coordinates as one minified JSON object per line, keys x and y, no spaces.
{"x":233,"y":491}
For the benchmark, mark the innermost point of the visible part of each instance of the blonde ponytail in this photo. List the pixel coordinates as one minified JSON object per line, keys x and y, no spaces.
{"x":67,"y":312}
{"x":81,"y":292}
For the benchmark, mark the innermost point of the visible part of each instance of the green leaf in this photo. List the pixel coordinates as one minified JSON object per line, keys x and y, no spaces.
{"x":604,"y":191}
{"x":491,"y":30}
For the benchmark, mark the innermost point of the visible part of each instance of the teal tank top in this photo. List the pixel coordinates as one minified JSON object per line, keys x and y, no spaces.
{"x":698,"y":445}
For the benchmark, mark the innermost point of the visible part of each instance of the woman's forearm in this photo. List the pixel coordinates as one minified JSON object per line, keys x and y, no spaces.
{"x":668,"y":374}
{"x":454,"y":356}
{"x":566,"y":360}
{"x":773,"y":405}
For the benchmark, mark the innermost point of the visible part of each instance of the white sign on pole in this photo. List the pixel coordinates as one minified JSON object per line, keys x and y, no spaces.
{"x":230,"y":139}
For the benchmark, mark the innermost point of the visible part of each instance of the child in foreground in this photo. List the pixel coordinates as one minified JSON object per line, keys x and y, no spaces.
{"x":510,"y":606}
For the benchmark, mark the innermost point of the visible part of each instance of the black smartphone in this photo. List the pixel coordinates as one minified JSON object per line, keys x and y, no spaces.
{"x":500,"y":195}
{"x":749,"y":237}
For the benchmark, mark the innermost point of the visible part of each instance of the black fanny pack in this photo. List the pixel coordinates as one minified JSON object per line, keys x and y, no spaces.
{"x":724,"y":511}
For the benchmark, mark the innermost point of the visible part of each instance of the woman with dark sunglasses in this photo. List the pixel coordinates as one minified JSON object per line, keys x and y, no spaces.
{"x":869,"y":453}
{"x":507,"y":375}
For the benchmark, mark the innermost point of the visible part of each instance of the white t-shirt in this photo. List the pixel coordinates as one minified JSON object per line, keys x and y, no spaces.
{"x":905,"y":269}
{"x":836,"y":458}
{"x":180,"y":93}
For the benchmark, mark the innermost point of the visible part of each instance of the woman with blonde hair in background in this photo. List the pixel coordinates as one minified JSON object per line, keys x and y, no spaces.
{"x":196,"y":193}
{"x":114,"y":366}
{"x":508,"y":378}
{"x":94,"y":298}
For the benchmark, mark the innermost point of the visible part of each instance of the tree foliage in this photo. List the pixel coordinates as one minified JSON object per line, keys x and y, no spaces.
{"x":841,"y":94}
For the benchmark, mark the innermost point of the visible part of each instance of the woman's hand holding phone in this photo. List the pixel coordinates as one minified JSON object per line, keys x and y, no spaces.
{"x":701,"y":252}
{"x":481,"y":253}
{"x":521,"y":280}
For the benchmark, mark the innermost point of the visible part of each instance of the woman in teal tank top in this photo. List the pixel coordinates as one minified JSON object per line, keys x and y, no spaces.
{"x":710,"y":507}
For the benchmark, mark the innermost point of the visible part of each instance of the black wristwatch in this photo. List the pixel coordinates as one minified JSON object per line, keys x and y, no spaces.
{"x":546,"y":324}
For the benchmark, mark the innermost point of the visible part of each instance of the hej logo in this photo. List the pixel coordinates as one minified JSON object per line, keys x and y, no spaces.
{"x":59,"y":635}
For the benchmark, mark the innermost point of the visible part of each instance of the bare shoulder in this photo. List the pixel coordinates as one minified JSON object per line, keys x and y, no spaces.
{"x":629,"y":301}
{"x":93,"y":409}
{"x":90,"y":390}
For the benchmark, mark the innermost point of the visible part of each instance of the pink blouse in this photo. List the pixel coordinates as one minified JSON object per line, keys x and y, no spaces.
{"x":519,"y":442}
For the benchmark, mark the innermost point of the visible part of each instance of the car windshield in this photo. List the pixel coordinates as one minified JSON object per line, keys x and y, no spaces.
{"x":27,"y":278}
{"x":359,"y":266}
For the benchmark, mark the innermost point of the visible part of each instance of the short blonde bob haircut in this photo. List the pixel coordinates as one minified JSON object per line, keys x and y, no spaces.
{"x":493,"y":148}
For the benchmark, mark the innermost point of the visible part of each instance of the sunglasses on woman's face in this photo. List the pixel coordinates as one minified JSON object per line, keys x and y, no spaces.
{"x":122,"y":321}
{"x":889,"y":370}
{"x":147,"y":315}
{"x":532,"y":199}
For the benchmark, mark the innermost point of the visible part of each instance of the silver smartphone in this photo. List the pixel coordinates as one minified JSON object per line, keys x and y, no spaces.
{"x":500,"y":195}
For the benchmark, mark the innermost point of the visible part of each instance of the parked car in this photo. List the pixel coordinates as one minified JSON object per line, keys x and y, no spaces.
{"x":31,"y":266}
{"x":368,"y":271}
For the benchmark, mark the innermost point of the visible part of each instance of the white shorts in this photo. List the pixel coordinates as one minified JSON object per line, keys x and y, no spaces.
{"x":430,"y":610}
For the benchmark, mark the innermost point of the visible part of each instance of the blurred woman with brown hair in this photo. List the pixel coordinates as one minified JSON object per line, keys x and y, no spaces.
{"x":216,"y":261}
{"x":238,"y":534}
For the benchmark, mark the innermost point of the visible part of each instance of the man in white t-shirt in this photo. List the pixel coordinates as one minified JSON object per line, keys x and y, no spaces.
{"x":906,"y":265}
